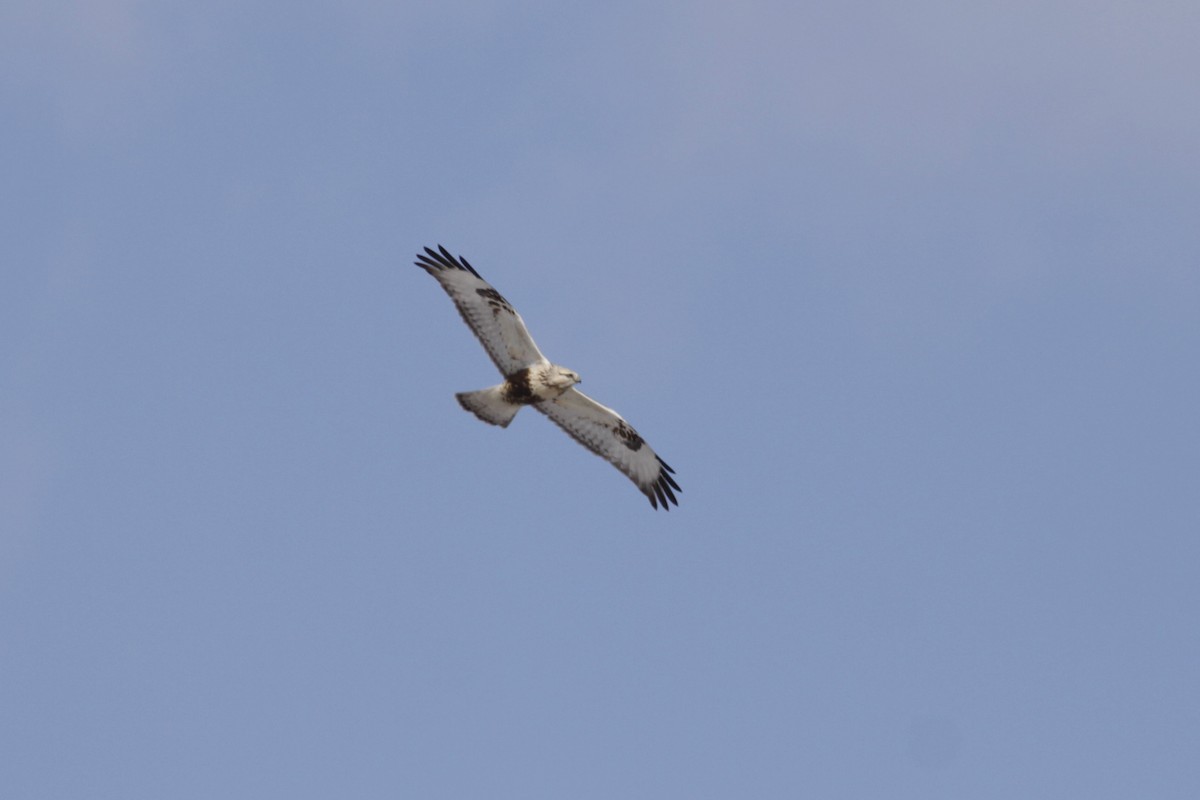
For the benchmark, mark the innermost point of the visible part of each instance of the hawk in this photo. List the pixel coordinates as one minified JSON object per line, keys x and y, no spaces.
{"x":531,"y":380}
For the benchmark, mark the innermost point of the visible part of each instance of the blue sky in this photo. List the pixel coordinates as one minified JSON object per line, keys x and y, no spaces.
{"x":907,"y":294}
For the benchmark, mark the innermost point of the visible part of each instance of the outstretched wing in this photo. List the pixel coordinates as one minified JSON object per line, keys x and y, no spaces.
{"x":497,"y":324}
{"x":602,"y":431}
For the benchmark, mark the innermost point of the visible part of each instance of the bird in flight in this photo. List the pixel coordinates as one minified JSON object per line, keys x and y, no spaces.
{"x":531,"y":380}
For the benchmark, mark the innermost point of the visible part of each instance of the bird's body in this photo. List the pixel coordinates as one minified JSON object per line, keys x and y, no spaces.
{"x":498,"y":405}
{"x":531,"y":380}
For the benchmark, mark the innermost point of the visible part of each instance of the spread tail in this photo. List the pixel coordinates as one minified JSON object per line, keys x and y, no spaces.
{"x":489,"y":405}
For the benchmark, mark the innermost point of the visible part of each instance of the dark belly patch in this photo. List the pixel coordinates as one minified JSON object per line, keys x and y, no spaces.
{"x":517,"y":388}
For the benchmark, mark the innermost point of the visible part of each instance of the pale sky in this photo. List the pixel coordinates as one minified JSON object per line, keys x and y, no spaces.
{"x":908,"y":294}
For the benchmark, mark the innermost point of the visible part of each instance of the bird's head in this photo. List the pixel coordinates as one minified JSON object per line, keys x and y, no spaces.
{"x":562,"y":378}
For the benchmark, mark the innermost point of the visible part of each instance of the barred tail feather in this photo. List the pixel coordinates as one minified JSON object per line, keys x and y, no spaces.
{"x":489,"y":405}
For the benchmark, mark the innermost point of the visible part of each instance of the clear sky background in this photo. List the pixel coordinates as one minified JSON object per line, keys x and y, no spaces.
{"x":907,"y":293}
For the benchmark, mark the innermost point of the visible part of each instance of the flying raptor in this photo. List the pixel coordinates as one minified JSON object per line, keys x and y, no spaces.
{"x":531,"y":380}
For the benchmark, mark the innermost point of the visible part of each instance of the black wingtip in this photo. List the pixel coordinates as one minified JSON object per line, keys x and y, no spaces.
{"x":660,"y":492}
{"x":664,"y":478}
{"x":442,"y":259}
{"x":470,"y":269}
